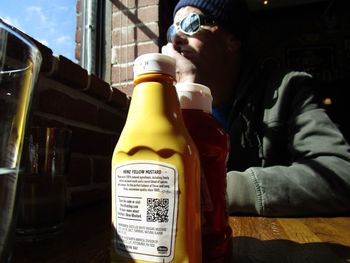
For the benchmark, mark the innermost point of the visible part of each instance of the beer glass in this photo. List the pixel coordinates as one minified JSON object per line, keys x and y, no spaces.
{"x":20,"y":62}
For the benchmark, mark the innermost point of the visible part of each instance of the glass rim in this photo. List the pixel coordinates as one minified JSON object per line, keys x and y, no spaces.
{"x":34,"y":52}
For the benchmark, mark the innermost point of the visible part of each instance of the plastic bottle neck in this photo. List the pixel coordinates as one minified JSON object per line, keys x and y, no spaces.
{"x":157,"y":77}
{"x":155,"y":95}
{"x":194,"y":96}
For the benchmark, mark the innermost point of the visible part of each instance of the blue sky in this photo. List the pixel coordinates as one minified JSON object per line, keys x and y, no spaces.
{"x":52,"y":22}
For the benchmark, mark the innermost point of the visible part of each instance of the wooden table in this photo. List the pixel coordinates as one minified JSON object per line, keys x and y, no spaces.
{"x":85,"y":238}
{"x":299,"y":240}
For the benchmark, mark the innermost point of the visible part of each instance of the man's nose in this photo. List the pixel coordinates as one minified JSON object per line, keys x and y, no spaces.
{"x":179,"y":39}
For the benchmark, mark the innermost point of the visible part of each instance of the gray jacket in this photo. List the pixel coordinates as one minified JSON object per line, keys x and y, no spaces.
{"x":287,"y":157}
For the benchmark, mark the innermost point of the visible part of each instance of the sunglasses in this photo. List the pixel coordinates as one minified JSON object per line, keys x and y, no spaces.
{"x":189,"y":25}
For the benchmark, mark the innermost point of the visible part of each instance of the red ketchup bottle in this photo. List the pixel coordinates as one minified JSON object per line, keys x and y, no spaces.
{"x":213,"y":145}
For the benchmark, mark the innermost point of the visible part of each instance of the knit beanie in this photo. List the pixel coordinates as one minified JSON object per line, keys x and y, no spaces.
{"x":231,"y":14}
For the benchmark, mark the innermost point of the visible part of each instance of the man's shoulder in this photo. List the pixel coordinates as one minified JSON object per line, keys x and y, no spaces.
{"x":286,"y":83}
{"x":283,"y":77}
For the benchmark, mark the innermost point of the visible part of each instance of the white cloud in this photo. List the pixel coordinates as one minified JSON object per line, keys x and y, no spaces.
{"x":63,"y":39}
{"x":37,"y":11}
{"x":40,"y":17}
{"x":63,"y":8}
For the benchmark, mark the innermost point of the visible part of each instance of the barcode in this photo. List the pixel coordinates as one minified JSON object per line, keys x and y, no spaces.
{"x":157,"y":210}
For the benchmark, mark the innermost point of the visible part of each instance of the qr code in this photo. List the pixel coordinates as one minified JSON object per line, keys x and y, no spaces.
{"x":157,"y":210}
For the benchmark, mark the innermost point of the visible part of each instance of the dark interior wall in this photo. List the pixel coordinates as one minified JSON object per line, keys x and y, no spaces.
{"x":312,"y":37}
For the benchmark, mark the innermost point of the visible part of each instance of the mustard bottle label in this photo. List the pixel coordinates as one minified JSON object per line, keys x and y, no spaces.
{"x":146,"y":204}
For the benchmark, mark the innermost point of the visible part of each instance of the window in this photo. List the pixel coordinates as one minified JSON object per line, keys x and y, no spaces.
{"x":51,"y":22}
{"x":72,"y":28}
{"x":93,"y":36}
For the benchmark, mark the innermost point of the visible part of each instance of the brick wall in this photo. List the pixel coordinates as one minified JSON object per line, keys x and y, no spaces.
{"x":135,"y":31}
{"x":78,"y":29}
{"x":66,"y":96}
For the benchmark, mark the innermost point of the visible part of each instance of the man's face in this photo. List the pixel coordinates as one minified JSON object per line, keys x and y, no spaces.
{"x":209,"y":50}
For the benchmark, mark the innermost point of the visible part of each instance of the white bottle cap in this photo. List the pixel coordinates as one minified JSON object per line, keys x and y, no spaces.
{"x":194,"y":96}
{"x":154,"y":63}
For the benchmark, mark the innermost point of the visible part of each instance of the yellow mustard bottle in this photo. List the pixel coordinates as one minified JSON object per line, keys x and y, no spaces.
{"x":155,"y":173}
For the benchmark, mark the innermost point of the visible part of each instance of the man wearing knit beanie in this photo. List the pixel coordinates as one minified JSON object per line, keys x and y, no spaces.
{"x":287,"y":158}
